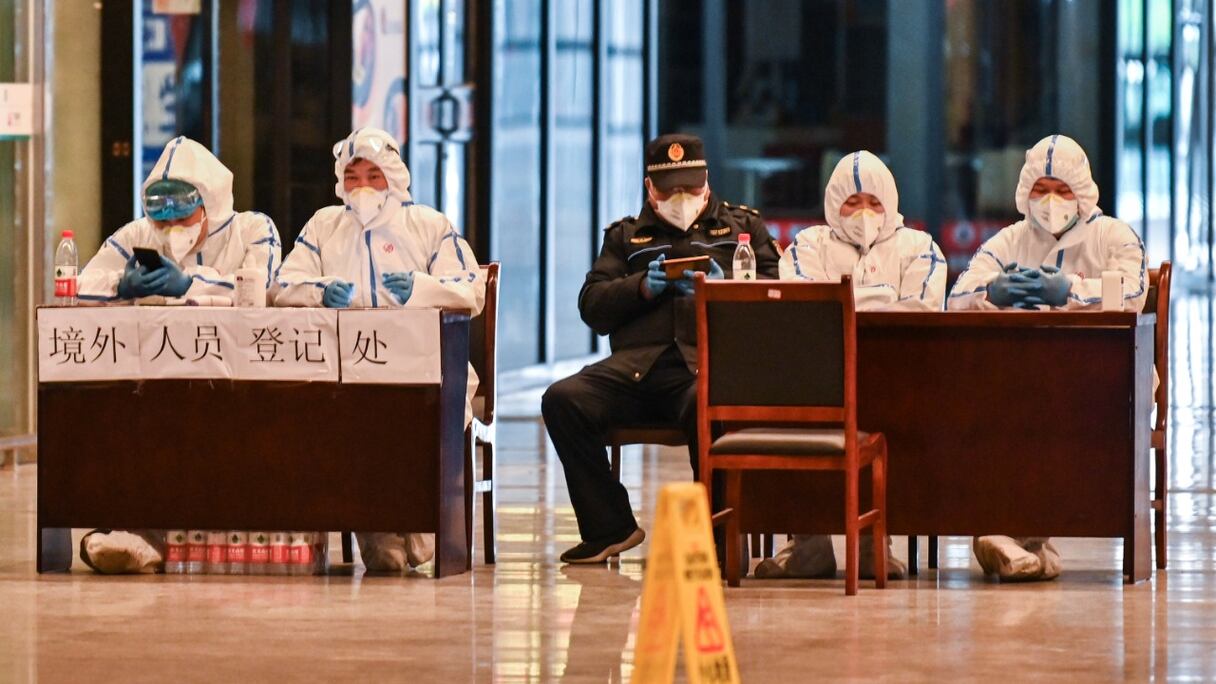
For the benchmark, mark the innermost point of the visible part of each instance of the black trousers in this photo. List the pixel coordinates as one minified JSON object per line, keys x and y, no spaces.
{"x":579,"y":412}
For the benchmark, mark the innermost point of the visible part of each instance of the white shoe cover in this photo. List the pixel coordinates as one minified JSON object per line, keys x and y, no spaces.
{"x":419,"y":548}
{"x":119,"y":553}
{"x":388,"y":552}
{"x":1003,"y":556}
{"x":1049,"y":558}
{"x":382,"y":551}
{"x":896,"y":569}
{"x":805,"y":556}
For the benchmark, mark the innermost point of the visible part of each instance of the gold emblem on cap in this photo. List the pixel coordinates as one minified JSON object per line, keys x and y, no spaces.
{"x":675,"y":152}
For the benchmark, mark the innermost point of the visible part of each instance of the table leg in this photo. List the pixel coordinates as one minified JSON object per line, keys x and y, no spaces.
{"x":1137,"y":554}
{"x":54,"y":549}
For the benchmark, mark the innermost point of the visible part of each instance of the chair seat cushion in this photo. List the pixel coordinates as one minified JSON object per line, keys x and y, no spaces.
{"x":782,"y":442}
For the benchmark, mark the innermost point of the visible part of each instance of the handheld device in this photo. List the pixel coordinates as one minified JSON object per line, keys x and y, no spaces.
{"x":148,"y":258}
{"x":674,"y":268}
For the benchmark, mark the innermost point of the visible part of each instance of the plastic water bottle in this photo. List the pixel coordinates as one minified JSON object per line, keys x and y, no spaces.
{"x":217,"y":552}
{"x":744,"y":267}
{"x":300,"y":550}
{"x":259,"y":553}
{"x":66,"y":261}
{"x":196,"y":552}
{"x":238,"y":552}
{"x":280,"y":554}
{"x":175,"y":556}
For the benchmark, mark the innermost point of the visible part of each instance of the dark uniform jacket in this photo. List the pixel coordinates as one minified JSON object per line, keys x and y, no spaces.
{"x":638,"y":329}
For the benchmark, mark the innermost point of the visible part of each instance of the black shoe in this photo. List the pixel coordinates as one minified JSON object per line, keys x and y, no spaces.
{"x":600,"y":551}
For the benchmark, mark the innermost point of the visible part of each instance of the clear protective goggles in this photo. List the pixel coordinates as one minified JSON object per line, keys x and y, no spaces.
{"x":171,"y":199}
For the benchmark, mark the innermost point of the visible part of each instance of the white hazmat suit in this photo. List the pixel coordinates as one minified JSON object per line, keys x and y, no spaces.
{"x":902,"y":268}
{"x":896,"y":268}
{"x":1094,"y":244}
{"x":401,"y":237}
{"x":235,"y":240}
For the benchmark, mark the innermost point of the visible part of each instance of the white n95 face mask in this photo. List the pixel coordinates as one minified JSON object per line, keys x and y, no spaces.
{"x":366,"y":203}
{"x":862,"y":227}
{"x":1054,"y":214}
{"x":682,"y":208}
{"x":181,"y":239}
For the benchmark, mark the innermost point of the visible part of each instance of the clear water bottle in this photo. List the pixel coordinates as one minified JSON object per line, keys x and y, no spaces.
{"x":280,"y":554}
{"x":259,"y":553}
{"x":238,"y":552}
{"x":66,"y":261}
{"x":175,"y":556}
{"x":196,"y":552}
{"x":217,"y":552}
{"x":744,"y":267}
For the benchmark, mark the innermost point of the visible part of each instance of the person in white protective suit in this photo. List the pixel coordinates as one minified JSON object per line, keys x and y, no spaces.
{"x":893,"y":267}
{"x":380,"y":249}
{"x":190,"y":221}
{"x":1054,"y":258}
{"x":202,"y":242}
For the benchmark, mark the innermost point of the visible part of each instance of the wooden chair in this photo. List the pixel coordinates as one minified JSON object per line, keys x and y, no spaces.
{"x":808,"y":390}
{"x":481,"y":433}
{"x":1158,"y":302}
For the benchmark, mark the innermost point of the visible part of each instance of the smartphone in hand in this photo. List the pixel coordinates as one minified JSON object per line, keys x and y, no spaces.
{"x":148,"y":258}
{"x":674,"y":268}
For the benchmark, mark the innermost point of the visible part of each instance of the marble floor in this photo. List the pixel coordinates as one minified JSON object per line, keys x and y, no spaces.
{"x":529,"y":619}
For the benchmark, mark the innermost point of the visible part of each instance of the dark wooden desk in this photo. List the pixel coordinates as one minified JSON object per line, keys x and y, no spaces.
{"x":197,"y":454}
{"x":1025,"y":424}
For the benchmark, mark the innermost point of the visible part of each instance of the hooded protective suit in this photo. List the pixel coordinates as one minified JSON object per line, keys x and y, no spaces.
{"x":896,"y":268}
{"x":235,"y":240}
{"x":401,"y":236}
{"x":1096,"y":243}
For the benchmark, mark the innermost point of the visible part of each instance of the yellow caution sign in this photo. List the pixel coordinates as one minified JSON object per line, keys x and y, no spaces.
{"x":682,"y":596}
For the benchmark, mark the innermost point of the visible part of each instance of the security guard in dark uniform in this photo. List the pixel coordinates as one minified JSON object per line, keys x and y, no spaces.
{"x":651,"y":324}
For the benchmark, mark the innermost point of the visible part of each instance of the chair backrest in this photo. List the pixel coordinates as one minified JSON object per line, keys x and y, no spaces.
{"x":1158,"y":302}
{"x":483,"y":343}
{"x":773,"y":351}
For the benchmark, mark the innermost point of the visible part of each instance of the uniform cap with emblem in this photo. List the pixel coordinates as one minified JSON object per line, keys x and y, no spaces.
{"x":676,"y":160}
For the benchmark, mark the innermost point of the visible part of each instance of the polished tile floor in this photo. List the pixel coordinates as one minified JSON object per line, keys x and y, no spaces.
{"x":530,"y":620}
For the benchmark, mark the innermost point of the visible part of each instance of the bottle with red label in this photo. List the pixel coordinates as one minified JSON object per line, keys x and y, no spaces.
{"x":259,"y":553}
{"x":238,"y":552}
{"x":196,"y":552}
{"x":217,"y":552}
{"x":280,"y":554}
{"x":66,"y":261}
{"x":300,"y":545}
{"x":175,"y":552}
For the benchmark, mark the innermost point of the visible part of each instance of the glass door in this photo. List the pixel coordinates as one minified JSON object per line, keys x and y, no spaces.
{"x":441,"y":118}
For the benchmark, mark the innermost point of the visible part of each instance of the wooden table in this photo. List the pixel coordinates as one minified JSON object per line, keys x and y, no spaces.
{"x":222,"y":454}
{"x":1024,"y":424}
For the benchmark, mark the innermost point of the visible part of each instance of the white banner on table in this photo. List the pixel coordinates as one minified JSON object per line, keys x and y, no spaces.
{"x":285,"y":344}
{"x":86,"y":343}
{"x":399,"y":346}
{"x":187,"y":342}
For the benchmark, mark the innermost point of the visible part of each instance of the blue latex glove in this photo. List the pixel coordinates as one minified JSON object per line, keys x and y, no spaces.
{"x":401,"y":284}
{"x":177,"y":283}
{"x":138,"y":281}
{"x":1056,"y":286}
{"x":687,"y":285}
{"x":1016,"y":287}
{"x":338,"y":294}
{"x":656,"y":280}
